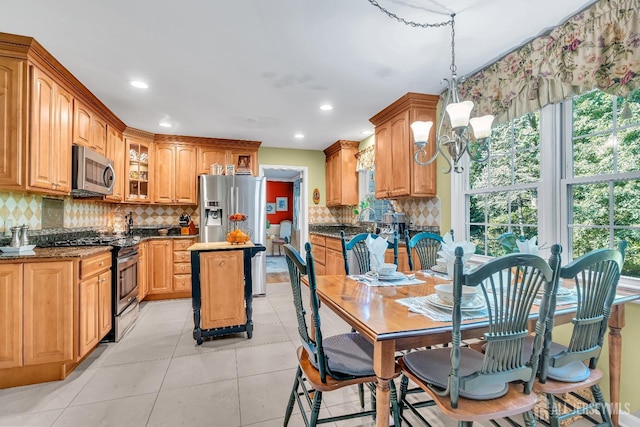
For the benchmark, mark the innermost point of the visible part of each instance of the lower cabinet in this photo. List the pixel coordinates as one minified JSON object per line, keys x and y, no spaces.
{"x":36,"y":320}
{"x":94,"y":290}
{"x":334,"y":260}
{"x":223,"y":298}
{"x":143,"y":270}
{"x":169,"y":270}
{"x":11,"y":315}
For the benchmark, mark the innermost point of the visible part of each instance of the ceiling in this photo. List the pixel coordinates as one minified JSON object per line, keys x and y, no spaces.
{"x":260,"y":69}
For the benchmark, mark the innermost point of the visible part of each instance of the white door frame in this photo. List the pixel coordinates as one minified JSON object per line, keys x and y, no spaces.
{"x":303,"y":215}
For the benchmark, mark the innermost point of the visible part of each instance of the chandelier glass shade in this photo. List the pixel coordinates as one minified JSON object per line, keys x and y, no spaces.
{"x":467,"y":135}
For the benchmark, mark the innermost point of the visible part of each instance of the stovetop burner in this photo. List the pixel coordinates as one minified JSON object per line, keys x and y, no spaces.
{"x":120,"y":242}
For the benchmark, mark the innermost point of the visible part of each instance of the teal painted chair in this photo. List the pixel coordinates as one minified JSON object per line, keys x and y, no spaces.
{"x":426,"y":245}
{"x":358,"y":247}
{"x":563,"y":370}
{"x":326,"y":364}
{"x":468,"y":385}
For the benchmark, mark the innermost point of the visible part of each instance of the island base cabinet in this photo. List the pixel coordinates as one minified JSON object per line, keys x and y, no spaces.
{"x":223,"y":296}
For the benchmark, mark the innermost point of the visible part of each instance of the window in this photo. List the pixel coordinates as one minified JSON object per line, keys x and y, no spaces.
{"x":367,"y":196}
{"x":569,"y":173}
{"x":601,"y":182}
{"x":503,"y":192}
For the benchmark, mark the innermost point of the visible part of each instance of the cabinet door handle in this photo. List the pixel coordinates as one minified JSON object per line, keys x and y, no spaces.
{"x":167,"y":243}
{"x":222,"y":264}
{"x":102,"y":263}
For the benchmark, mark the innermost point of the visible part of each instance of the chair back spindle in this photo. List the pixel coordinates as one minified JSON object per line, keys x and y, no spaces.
{"x":357,"y":246}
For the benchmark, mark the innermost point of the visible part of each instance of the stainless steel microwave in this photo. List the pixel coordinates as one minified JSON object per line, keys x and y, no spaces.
{"x":92,"y":173}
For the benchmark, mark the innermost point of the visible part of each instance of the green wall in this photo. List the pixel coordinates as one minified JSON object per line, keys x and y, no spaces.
{"x":313,"y":159}
{"x":630,"y":370}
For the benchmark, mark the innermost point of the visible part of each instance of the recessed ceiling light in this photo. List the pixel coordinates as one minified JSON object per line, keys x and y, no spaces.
{"x":326,"y":107}
{"x":366,"y":132}
{"x":164,"y":124}
{"x":139,"y":84}
{"x":298,"y":136}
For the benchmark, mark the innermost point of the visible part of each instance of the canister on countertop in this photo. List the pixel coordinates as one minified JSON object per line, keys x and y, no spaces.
{"x":24,"y":235}
{"x":15,"y":236}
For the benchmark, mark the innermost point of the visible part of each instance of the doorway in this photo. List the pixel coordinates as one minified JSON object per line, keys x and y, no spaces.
{"x":299,"y":176}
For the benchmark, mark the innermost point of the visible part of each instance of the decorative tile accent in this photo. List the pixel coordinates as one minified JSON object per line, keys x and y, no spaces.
{"x":421,"y":212}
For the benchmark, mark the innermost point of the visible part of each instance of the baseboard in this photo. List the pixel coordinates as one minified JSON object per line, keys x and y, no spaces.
{"x":628,"y":420}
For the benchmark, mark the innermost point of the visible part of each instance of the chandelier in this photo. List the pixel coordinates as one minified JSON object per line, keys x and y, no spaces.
{"x":454,"y":144}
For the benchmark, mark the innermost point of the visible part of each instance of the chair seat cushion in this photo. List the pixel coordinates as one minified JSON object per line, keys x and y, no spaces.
{"x":570,"y":373}
{"x":433,"y":367}
{"x":348,"y":354}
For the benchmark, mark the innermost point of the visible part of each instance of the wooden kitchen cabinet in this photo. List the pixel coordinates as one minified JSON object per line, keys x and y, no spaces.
{"x":160,"y":266}
{"x":222,"y":299}
{"x":143,"y":270}
{"x":182,"y":265}
{"x":50,"y":135}
{"x":397,"y":174}
{"x":341,"y":174}
{"x":169,"y":268}
{"x":48,"y":312}
{"x":11,"y":309}
{"x":116,"y":153}
{"x":89,"y":129}
{"x":138,"y":167}
{"x":213,"y":153}
{"x":13,"y":120}
{"x":334,"y":260}
{"x":94,"y":290}
{"x":175,"y":177}
{"x":318,"y":250}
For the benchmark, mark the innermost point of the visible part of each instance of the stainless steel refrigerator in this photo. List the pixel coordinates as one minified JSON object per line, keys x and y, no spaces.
{"x":221,"y":196}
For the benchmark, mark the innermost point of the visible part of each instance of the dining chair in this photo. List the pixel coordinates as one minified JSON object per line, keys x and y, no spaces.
{"x":358,"y":247}
{"x":567,"y":369}
{"x":283,"y":238}
{"x":326,"y":364}
{"x":467,"y":384}
{"x":426,"y":246}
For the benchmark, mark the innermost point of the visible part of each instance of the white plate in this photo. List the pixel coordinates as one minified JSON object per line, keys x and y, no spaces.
{"x":396,"y":275}
{"x":11,"y":249}
{"x":476,"y":304}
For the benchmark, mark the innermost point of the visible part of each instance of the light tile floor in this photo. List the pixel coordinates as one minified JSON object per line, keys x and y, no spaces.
{"x":157,"y":376}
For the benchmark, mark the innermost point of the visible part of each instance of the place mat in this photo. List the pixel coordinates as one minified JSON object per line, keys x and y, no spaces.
{"x":369,"y":281}
{"x":421,"y":305}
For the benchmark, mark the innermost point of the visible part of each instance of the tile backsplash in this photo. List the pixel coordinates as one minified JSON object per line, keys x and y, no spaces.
{"x":23,"y":208}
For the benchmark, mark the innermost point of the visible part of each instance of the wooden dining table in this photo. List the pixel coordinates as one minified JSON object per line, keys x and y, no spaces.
{"x":374,"y":312}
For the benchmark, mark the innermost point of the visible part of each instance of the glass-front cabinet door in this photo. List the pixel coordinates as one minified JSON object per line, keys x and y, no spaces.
{"x":138,"y":171}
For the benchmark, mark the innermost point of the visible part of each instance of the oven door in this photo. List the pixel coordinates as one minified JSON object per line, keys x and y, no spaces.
{"x":127,"y":281}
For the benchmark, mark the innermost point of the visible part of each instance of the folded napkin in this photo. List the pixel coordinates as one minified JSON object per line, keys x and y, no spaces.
{"x":377,"y":248}
{"x":448,"y":251}
{"x":528,"y":246}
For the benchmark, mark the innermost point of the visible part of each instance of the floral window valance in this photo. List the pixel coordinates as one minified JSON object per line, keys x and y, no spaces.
{"x":365,"y":158}
{"x":598,"y":48}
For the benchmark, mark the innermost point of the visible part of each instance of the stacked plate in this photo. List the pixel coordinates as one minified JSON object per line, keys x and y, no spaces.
{"x":395,"y":275}
{"x":433,"y":300}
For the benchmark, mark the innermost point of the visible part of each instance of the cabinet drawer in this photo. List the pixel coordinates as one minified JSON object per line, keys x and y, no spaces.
{"x":182,"y":283}
{"x":182,"y":244}
{"x":93,"y":265}
{"x":181,"y":256}
{"x":334,"y":244}
{"x":317,"y":240}
{"x":182,"y":268}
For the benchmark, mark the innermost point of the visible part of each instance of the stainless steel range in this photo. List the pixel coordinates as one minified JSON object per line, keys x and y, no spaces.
{"x":124,"y":284}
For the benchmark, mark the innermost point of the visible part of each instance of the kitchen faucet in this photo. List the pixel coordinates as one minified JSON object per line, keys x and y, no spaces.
{"x":360,"y":217}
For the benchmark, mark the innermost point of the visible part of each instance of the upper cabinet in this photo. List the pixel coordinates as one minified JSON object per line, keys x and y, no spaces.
{"x":341,"y":175}
{"x":175,"y":179}
{"x":397,"y":174}
{"x":137,"y":170}
{"x":50,"y":133}
{"x":89,"y":129}
{"x":40,"y":102}
{"x":116,"y":152}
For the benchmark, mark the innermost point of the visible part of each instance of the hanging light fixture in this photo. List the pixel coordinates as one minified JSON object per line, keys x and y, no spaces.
{"x":452,"y":146}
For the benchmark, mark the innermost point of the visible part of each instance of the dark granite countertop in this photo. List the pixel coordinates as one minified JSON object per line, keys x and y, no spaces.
{"x":59,"y":252}
{"x":333,"y":230}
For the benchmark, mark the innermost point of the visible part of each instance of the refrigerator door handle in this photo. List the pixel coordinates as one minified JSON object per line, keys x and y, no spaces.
{"x":232,"y":209}
{"x":237,"y":194}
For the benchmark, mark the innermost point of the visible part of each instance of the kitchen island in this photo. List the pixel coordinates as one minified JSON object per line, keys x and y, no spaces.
{"x":222,"y":288}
